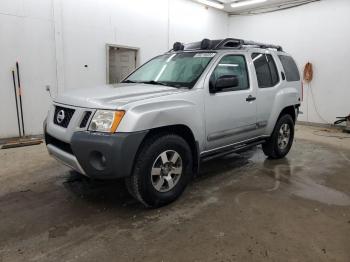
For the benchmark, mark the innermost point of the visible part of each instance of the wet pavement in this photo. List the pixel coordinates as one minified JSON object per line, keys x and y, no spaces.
{"x":242,"y":207}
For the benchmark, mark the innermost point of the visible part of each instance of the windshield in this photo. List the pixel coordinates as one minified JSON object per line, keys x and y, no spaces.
{"x":177,"y":70}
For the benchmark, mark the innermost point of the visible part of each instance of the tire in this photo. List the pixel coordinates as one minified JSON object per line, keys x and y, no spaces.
{"x":160,"y":176}
{"x":277,"y":146}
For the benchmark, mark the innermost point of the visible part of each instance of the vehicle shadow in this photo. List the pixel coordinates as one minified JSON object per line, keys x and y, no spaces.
{"x":219,"y":166}
{"x":106,"y":193}
{"x":113,"y":193}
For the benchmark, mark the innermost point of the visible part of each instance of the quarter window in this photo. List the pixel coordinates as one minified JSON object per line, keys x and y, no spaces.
{"x":266,"y":70}
{"x":290,"y":68}
{"x":232,"y":65}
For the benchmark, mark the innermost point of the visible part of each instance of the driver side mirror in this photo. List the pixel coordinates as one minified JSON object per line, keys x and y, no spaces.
{"x":223,"y":82}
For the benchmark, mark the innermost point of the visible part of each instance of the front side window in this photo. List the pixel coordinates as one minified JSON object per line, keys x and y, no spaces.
{"x":290,"y":68}
{"x":266,"y":70}
{"x":232,"y":65}
{"x":176,"y":70}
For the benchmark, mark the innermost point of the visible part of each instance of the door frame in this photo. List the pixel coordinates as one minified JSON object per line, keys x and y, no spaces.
{"x":108,"y":46}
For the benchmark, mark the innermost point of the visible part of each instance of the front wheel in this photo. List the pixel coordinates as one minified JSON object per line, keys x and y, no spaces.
{"x":281,"y":140}
{"x":162,"y":170}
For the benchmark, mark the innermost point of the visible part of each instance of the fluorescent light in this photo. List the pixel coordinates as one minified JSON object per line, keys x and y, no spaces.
{"x":247,"y":2}
{"x":229,"y":65}
{"x":256,"y":58}
{"x":160,"y":73}
{"x":211,"y":3}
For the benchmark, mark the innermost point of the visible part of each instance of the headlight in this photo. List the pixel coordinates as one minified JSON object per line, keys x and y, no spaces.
{"x":106,"y":121}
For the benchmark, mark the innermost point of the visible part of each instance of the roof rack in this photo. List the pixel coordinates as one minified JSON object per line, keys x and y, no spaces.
{"x":238,"y":43}
{"x":228,"y":43}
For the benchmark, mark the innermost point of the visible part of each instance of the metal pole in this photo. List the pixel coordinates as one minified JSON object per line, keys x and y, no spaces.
{"x":20,"y":97}
{"x":15,"y":89}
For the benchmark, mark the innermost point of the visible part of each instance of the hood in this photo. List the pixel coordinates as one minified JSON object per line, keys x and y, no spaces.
{"x":114,"y":96}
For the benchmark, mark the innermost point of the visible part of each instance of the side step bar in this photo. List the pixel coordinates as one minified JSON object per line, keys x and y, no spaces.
{"x":230,"y":150}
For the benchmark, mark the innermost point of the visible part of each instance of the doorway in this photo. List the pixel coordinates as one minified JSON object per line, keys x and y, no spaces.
{"x":121,"y":61}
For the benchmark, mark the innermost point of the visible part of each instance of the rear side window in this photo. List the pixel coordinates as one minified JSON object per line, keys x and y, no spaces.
{"x":266,"y":70}
{"x":290,"y":68}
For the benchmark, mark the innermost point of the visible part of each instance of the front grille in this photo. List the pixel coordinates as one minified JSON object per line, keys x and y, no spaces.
{"x":58,"y":143}
{"x":85,"y":119}
{"x":63,"y":116}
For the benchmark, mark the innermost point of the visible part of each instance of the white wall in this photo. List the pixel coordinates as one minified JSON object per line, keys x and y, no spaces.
{"x":26,"y":36}
{"x":319,"y":33}
{"x":54,"y":39}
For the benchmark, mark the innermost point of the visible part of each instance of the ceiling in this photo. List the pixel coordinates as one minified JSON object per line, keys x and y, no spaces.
{"x":269,"y":5}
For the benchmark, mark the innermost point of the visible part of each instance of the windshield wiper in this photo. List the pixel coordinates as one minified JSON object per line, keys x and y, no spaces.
{"x":152,"y":82}
{"x":128,"y":81}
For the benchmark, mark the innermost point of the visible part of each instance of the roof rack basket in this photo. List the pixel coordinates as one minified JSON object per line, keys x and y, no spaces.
{"x":238,"y":43}
{"x":228,"y":43}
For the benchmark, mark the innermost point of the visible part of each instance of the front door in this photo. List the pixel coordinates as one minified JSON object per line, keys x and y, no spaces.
{"x":230,"y":113}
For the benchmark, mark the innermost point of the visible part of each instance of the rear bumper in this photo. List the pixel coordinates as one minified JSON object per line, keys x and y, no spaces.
{"x":98,"y":155}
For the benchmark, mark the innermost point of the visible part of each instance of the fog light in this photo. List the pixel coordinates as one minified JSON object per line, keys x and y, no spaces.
{"x":98,"y":160}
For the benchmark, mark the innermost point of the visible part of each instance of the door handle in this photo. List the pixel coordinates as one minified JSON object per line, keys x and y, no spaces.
{"x":283,"y":76}
{"x":250,"y":98}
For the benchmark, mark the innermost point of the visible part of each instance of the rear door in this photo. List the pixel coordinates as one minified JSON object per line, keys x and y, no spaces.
{"x":268,"y":82}
{"x":230,"y":114}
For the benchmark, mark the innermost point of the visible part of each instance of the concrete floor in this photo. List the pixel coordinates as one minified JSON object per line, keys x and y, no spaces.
{"x":241,"y":208}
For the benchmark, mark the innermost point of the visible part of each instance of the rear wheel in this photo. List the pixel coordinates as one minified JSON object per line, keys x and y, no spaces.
{"x":162,"y":170}
{"x":281,"y":140}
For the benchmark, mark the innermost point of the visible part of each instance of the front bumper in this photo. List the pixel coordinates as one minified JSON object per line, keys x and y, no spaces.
{"x":97,"y":155}
{"x":65,"y":158}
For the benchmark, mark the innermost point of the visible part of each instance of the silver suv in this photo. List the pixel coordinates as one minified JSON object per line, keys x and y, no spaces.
{"x":196,"y":102}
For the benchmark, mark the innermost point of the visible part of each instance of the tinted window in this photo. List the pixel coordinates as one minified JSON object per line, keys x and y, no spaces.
{"x":266,"y":70}
{"x":290,"y":68}
{"x":273,"y":70}
{"x":232,"y":65}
